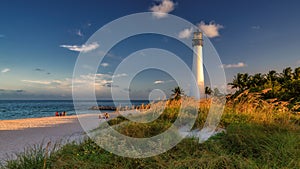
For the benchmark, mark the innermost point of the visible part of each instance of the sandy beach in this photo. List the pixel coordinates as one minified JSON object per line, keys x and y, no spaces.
{"x":15,"y":135}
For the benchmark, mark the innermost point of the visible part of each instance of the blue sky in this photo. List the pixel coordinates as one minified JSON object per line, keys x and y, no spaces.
{"x":36,"y":37}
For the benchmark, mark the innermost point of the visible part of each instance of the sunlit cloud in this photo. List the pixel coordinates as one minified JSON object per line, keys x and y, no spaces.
{"x":100,"y":83}
{"x":211,"y":29}
{"x":186,"y":33}
{"x":238,"y":65}
{"x":82,"y":82}
{"x":37,"y":82}
{"x":83,"y":48}
{"x":5,"y":70}
{"x":159,"y":82}
{"x":104,"y":64}
{"x":120,"y":75}
{"x":162,"y":9}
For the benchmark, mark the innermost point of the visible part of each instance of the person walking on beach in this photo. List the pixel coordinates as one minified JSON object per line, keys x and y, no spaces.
{"x":56,"y":113}
{"x":106,"y":115}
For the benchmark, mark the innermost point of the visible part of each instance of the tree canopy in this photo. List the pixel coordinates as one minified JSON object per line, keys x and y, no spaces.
{"x":284,"y":86}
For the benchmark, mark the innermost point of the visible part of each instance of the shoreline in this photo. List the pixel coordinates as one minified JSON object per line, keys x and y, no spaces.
{"x":47,"y":121}
{"x":16,"y":135}
{"x":35,"y":122}
{"x":38,"y":122}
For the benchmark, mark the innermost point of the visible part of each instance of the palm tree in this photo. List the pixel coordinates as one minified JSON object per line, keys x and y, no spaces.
{"x":297,"y":73}
{"x":258,"y":80}
{"x":208,"y":91}
{"x":245,"y":81}
{"x":293,"y":89}
{"x":287,"y":74}
{"x":234,"y":84}
{"x":272,"y":77}
{"x":177,"y":93}
{"x":240,"y":81}
{"x":285,"y":85}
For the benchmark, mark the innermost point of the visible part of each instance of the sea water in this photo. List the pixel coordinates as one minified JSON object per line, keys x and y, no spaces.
{"x":20,"y":109}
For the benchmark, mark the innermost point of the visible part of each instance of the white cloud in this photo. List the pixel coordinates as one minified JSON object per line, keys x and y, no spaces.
{"x":83,"y":84}
{"x":256,"y":27}
{"x":5,"y":70}
{"x":120,"y":75}
{"x":211,"y":30}
{"x":159,"y":82}
{"x":37,"y":82}
{"x":2,"y":36}
{"x":186,"y":33}
{"x":52,"y":82}
{"x":83,"y":80}
{"x":79,"y":33}
{"x":104,"y":64}
{"x":238,"y":65}
{"x":161,"y":10}
{"x":83,"y":48}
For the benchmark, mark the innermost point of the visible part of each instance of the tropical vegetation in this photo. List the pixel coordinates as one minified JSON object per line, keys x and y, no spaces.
{"x":284,"y":86}
{"x":177,"y":93}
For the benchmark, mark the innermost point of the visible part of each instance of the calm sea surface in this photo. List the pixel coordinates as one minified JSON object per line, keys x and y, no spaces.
{"x":19,"y":109}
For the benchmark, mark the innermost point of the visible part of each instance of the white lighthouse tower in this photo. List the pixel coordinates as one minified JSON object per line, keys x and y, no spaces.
{"x":198,"y":63}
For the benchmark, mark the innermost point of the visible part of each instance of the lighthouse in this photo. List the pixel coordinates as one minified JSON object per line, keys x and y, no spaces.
{"x":197,"y":67}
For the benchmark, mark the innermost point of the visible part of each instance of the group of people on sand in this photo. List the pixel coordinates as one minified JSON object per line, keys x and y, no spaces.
{"x":104,"y":116}
{"x":60,"y":114}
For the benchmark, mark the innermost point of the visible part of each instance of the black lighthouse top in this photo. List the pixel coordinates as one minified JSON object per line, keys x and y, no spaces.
{"x":198,"y":38}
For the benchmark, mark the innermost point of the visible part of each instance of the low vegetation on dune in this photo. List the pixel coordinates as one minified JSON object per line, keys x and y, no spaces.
{"x":262,"y":131}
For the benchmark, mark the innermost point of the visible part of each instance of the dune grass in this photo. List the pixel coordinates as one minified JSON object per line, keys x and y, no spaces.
{"x":257,"y":136}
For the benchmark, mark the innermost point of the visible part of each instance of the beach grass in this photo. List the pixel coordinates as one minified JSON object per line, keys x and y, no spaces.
{"x":257,"y":136}
{"x":35,"y":156}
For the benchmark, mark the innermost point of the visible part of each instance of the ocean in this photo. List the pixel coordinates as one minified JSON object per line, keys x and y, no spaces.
{"x":20,"y":109}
